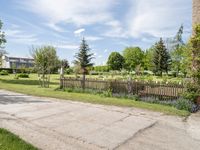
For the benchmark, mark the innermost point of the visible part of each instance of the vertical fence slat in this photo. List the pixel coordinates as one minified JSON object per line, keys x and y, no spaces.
{"x":144,"y":89}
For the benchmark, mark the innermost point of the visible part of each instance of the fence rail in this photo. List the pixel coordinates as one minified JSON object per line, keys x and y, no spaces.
{"x":145,"y":90}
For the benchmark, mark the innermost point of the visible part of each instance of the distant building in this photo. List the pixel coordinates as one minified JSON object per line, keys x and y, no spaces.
{"x":16,"y":62}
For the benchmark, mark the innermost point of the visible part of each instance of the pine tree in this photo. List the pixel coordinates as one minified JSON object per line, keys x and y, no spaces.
{"x":83,"y":59}
{"x":161,"y":58}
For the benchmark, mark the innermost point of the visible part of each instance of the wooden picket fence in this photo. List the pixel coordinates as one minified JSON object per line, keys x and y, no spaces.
{"x":145,"y":90}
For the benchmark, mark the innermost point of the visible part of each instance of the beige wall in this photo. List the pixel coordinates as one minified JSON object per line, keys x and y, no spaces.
{"x":196,"y":12}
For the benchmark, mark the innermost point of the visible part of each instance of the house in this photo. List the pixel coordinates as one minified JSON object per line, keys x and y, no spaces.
{"x":16,"y":62}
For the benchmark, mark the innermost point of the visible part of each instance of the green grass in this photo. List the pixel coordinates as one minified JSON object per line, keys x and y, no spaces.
{"x":9,"y":141}
{"x":30,"y":87}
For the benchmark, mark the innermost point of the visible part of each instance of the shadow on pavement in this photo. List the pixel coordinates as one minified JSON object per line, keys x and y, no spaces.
{"x":6,"y":99}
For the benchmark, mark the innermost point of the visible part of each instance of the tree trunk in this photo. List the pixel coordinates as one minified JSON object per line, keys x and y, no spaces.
{"x":83,"y":81}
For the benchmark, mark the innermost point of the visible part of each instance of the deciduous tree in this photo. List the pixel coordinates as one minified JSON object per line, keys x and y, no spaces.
{"x":2,"y":43}
{"x":46,"y":60}
{"x":133,"y":57}
{"x":115,"y":61}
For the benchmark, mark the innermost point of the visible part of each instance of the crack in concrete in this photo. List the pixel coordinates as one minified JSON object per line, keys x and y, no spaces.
{"x":46,"y":131}
{"x":136,"y":134}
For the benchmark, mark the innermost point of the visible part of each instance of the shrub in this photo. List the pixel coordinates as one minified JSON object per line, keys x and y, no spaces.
{"x":94,"y":73}
{"x":16,"y":77}
{"x":192,"y":93}
{"x":69,"y":71}
{"x":23,"y":75}
{"x":107,"y":93}
{"x":147,"y":72}
{"x":184,"y":104}
{"x":4,"y":72}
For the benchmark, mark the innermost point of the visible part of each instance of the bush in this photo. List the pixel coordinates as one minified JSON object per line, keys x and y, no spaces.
{"x":94,"y":73}
{"x":23,"y":75}
{"x":193,"y":91}
{"x":69,"y":71}
{"x":4,"y":72}
{"x":148,"y":73}
{"x":184,"y":104}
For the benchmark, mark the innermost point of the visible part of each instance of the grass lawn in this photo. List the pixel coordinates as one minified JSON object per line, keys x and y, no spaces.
{"x":9,"y":141}
{"x":30,"y":87}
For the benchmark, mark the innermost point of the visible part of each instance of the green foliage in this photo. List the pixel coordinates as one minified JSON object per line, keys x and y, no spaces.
{"x":115,"y":61}
{"x":133,"y":57}
{"x":179,"y":54}
{"x":107,"y":93}
{"x":2,"y":36}
{"x":2,"y":43}
{"x":68,"y":71}
{"x":64,"y":64}
{"x":195,"y":49}
{"x":161,"y":58}
{"x":4,"y":72}
{"x":184,"y":104}
{"x":46,"y":60}
{"x":148,"y":59}
{"x":101,"y":68}
{"x":193,"y":91}
{"x":83,"y":58}
{"x":23,"y":75}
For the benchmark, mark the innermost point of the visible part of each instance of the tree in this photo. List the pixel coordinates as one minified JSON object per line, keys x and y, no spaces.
{"x":195,"y":50}
{"x":185,"y":67}
{"x":64,"y":65}
{"x":177,"y":53}
{"x":2,"y":43}
{"x":115,"y":61}
{"x":161,"y":58}
{"x":83,"y":59}
{"x":133,"y":57}
{"x":46,"y":60}
{"x":148,"y":57}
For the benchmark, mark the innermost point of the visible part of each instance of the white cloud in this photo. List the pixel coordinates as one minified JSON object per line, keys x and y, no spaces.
{"x":100,"y":56}
{"x":55,"y":27}
{"x":115,"y":30}
{"x":79,"y":12}
{"x":159,"y":18}
{"x":79,"y":32}
{"x":66,"y":46}
{"x":19,"y":36}
{"x":93,"y":38}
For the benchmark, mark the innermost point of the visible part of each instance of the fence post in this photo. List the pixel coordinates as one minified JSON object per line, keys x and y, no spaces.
{"x":130,"y":85}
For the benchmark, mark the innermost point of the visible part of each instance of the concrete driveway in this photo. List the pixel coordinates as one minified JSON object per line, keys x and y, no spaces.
{"x":52,"y":124}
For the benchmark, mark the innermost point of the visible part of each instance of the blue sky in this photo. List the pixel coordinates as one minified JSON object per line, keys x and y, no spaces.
{"x":108,"y":25}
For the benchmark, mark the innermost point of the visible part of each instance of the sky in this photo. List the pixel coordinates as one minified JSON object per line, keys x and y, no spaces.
{"x":107,"y":25}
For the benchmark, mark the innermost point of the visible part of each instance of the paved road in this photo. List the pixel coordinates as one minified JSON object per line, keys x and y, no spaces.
{"x":52,"y":124}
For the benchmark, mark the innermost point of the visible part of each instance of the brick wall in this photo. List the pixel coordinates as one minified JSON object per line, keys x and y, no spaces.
{"x":196,"y":12}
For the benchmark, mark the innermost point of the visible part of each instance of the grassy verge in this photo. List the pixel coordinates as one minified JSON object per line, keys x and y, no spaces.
{"x":30,"y":87}
{"x":9,"y":141}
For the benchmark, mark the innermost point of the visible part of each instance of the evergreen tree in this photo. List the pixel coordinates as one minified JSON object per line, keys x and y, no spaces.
{"x":83,"y":59}
{"x":161,"y":58}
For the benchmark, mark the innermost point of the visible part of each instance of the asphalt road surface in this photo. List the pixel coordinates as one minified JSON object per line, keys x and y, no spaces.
{"x":52,"y":124}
